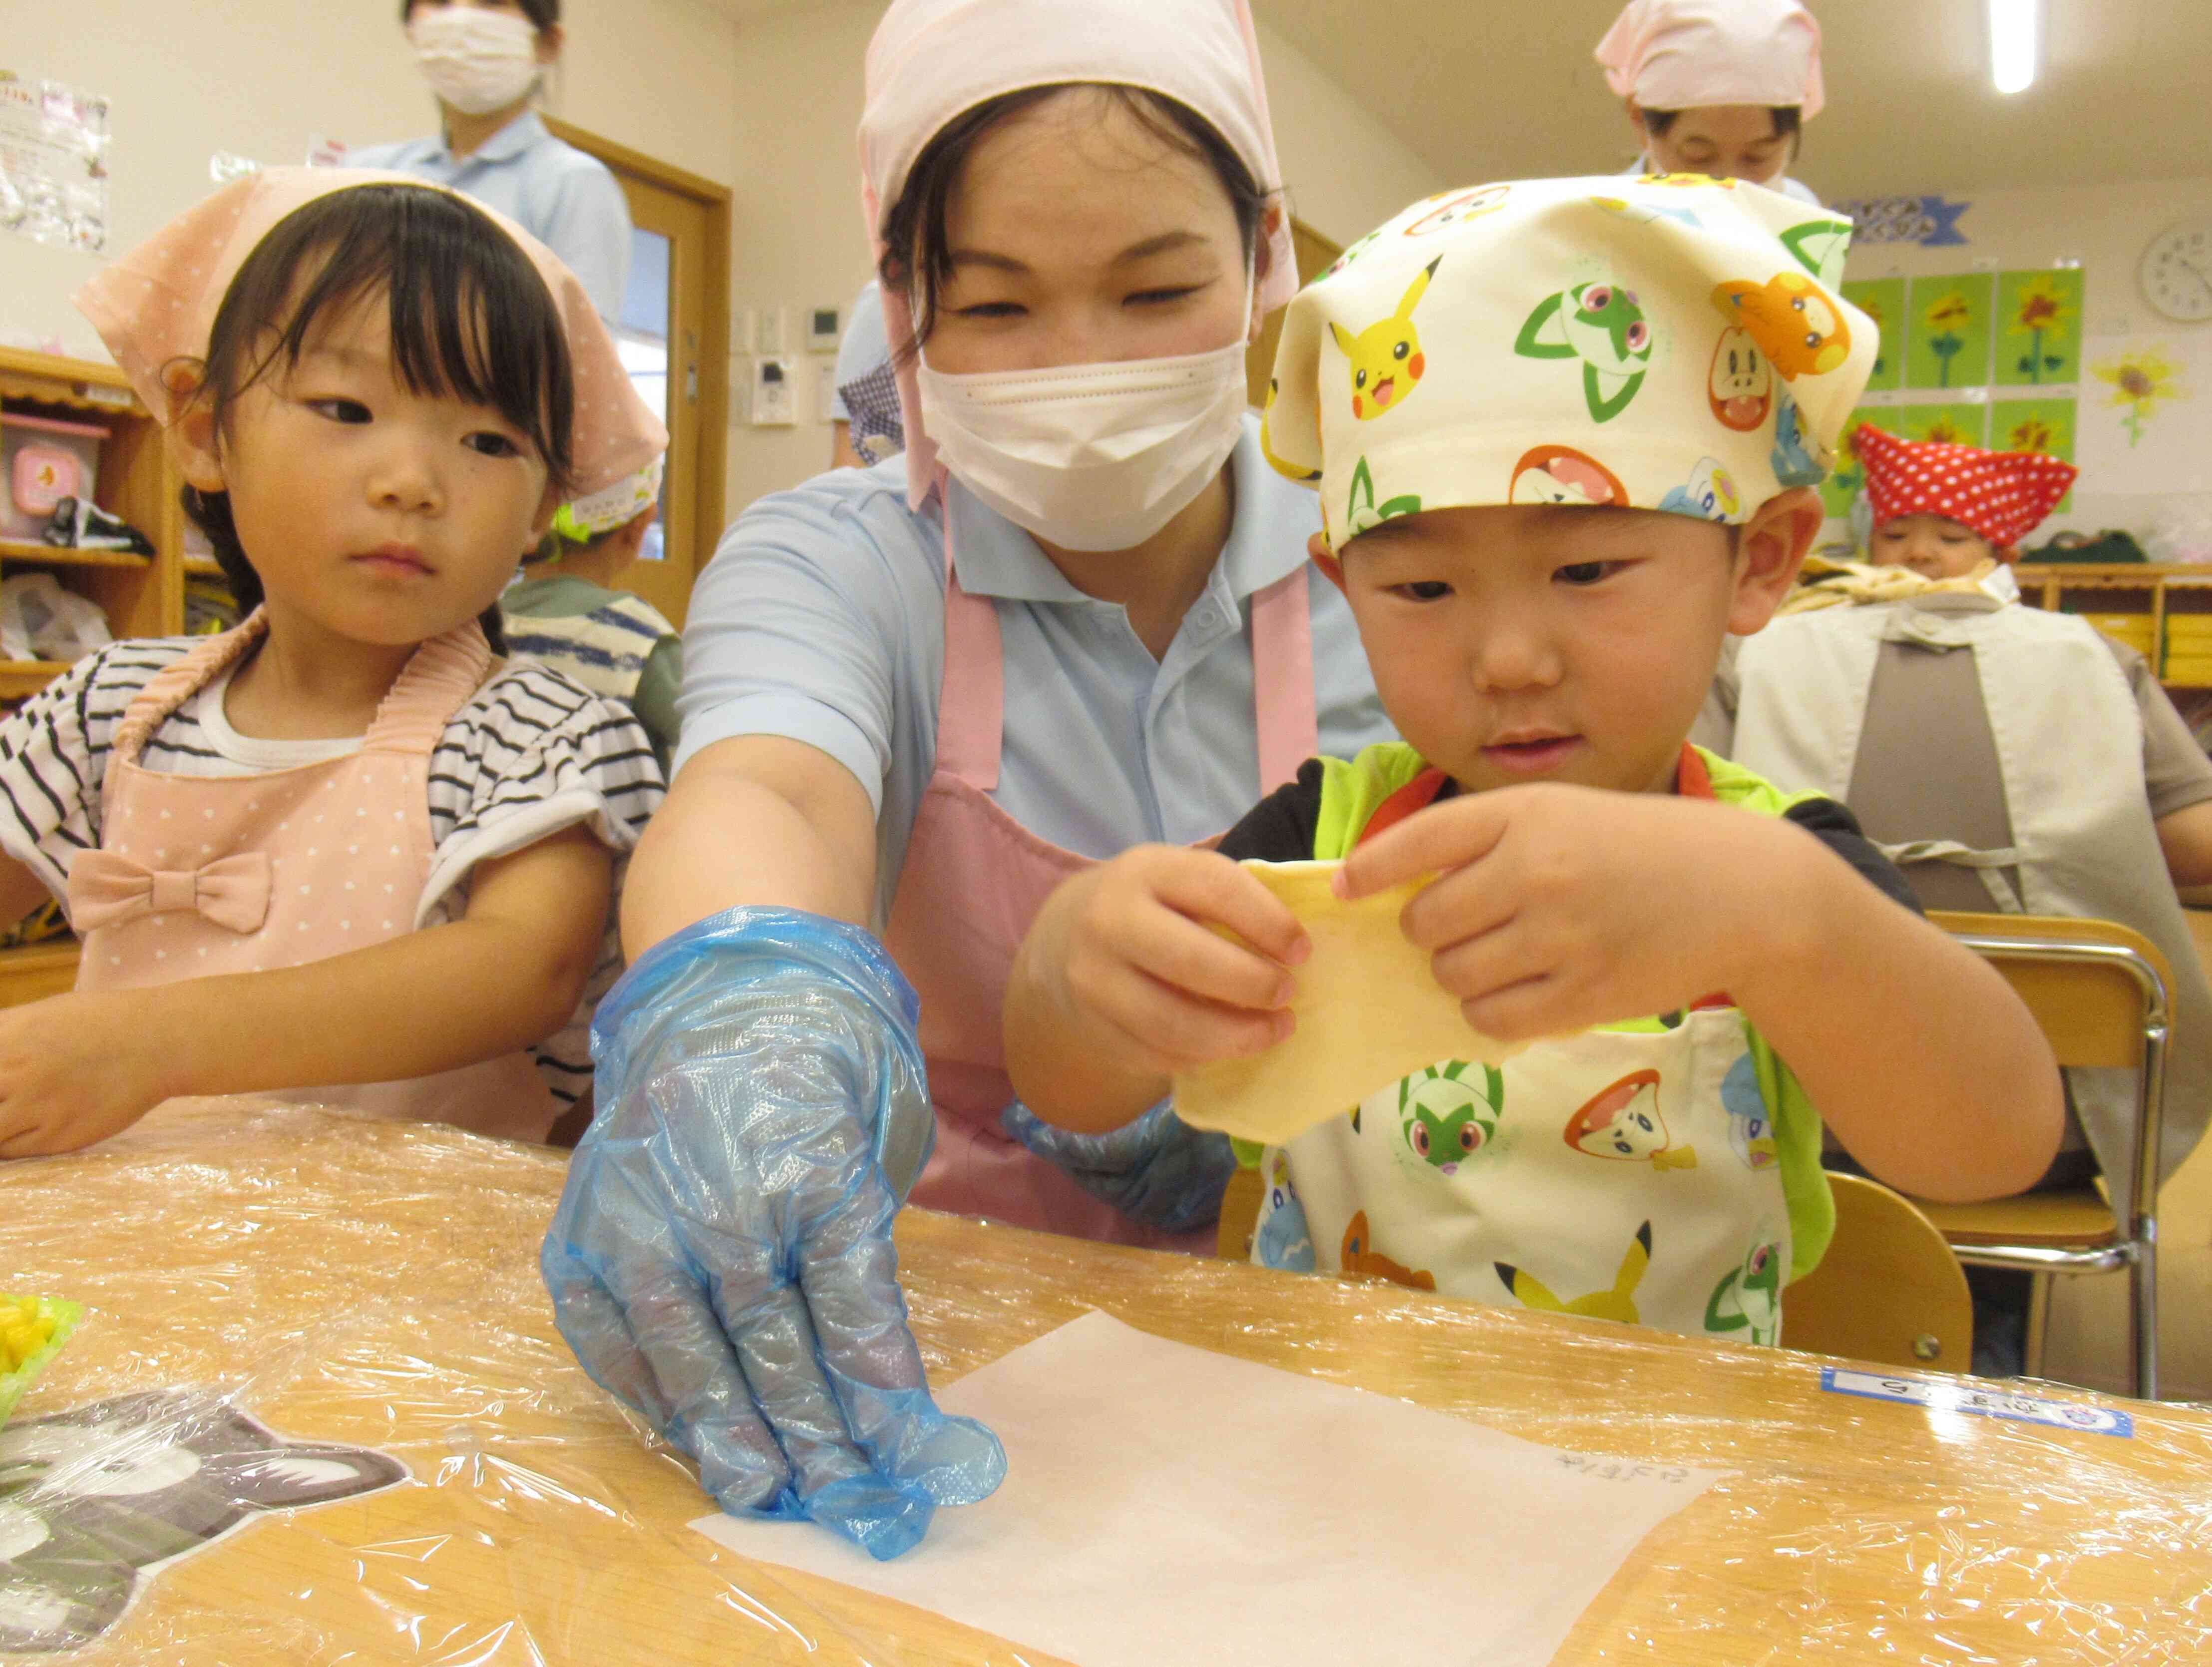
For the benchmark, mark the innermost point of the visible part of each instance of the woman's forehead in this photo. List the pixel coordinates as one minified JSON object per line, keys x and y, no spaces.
{"x":1081,"y":177}
{"x":1724,"y":125}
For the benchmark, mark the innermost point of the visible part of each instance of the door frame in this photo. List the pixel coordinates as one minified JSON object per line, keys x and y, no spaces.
{"x":714,"y":365}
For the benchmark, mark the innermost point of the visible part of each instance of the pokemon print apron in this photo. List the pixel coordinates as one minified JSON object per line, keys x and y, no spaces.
{"x":1629,"y":1174}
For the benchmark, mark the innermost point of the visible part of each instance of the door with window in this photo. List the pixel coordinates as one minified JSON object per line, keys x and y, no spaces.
{"x":673,"y":336}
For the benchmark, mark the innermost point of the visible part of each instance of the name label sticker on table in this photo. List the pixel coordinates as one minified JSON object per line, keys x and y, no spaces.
{"x":1958,"y":1398}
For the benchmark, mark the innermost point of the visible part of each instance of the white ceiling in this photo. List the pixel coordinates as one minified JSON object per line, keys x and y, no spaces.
{"x":1487,"y":90}
{"x":1505,"y":88}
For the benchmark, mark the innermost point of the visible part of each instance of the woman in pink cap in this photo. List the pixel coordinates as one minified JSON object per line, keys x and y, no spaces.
{"x":1074,"y":617}
{"x":1718,"y":86}
{"x":343,"y":851}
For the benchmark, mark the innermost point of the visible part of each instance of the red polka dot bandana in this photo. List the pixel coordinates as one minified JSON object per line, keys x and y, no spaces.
{"x":2001,"y":495}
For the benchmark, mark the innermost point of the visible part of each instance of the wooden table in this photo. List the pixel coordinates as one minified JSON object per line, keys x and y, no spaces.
{"x":377,"y":1285}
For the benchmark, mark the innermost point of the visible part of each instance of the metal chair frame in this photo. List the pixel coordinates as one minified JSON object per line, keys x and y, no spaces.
{"x":2135,"y":1249}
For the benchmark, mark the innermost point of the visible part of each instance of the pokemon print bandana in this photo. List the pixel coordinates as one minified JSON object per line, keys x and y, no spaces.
{"x":1673,"y":343}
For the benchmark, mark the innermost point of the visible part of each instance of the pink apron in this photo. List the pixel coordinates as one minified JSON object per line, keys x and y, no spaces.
{"x":203,"y":875}
{"x":975,"y":879}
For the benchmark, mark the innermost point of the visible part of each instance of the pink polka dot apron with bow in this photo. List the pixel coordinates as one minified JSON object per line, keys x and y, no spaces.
{"x":975,"y":879}
{"x":203,"y":876}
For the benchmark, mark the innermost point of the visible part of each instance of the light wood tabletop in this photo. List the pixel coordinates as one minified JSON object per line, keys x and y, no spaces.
{"x":377,"y":1285}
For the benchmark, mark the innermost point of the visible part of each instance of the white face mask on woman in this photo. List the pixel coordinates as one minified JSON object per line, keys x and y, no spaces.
{"x":1091,"y":457}
{"x":476,"y":60}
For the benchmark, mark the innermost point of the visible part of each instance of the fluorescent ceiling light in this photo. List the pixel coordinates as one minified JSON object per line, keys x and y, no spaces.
{"x":2015,"y":43}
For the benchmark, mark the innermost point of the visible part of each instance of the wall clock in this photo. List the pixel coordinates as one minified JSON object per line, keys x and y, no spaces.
{"x":2176,"y":273}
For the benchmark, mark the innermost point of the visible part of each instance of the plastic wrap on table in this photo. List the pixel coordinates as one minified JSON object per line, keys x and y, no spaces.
{"x":354,"y":1292}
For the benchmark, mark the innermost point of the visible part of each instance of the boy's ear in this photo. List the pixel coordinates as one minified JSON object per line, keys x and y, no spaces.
{"x":1331,"y":566}
{"x":194,"y":441}
{"x":1772,"y":546}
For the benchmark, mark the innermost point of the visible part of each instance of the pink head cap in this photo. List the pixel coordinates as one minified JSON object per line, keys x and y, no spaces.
{"x":932,"y":59}
{"x":1686,"y":54}
{"x":157,"y":305}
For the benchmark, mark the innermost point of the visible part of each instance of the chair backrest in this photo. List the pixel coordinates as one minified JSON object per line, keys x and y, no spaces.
{"x":2099,"y":992}
{"x":2094,"y":1007}
{"x":1889,"y":1290}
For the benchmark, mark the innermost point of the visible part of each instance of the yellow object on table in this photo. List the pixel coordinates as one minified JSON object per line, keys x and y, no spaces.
{"x":375,"y":1284}
{"x":33,"y":1330}
{"x":1369,"y":1011}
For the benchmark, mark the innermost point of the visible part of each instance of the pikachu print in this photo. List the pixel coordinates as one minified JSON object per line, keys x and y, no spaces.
{"x":1386,"y":361}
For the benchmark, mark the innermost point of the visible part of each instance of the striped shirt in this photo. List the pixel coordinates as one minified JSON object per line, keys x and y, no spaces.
{"x":530,"y":754}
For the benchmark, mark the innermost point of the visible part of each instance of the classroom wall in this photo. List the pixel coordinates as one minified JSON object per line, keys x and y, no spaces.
{"x":799,"y":240}
{"x":260,"y":78}
{"x":2105,"y":229}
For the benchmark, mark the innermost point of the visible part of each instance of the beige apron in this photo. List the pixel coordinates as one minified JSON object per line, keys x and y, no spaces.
{"x":2067,"y":735}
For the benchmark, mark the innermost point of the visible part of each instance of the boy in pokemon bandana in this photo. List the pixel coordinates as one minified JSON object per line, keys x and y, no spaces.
{"x":1676,"y":927}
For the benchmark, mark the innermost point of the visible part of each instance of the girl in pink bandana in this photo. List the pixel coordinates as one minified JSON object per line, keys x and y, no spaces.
{"x":378,"y":395}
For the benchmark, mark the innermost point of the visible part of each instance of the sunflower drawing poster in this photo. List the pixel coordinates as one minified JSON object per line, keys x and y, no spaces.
{"x":1946,"y":330}
{"x":1963,"y":423}
{"x":2038,"y":328}
{"x":2035,"y":425}
{"x":1848,"y":477}
{"x":1882,"y":299}
{"x":2145,"y":413}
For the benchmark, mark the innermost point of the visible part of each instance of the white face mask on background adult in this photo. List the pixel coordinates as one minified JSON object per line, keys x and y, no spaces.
{"x":476,"y":60}
{"x":1091,"y":457}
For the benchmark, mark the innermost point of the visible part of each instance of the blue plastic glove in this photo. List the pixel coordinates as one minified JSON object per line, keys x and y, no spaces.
{"x":722,"y":1260}
{"x":1157,"y":1170}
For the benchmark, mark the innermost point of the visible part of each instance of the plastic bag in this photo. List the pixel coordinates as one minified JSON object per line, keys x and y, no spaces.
{"x":40,"y":620}
{"x":348,"y":1283}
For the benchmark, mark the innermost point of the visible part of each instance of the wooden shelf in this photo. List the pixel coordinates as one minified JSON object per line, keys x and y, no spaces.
{"x":19,"y":549}
{"x":23,"y":678}
{"x":140,"y":595}
{"x":201,"y":566}
{"x":75,"y":382}
{"x":2152,"y":592}
{"x":2125,"y":575}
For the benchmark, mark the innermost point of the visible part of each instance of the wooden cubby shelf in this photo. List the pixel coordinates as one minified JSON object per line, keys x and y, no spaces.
{"x":2173,"y":604}
{"x":142,"y":596}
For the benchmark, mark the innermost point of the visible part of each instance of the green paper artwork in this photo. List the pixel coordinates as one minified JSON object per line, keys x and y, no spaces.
{"x":2038,"y":328}
{"x":2034,"y":425}
{"x":1962,"y":424}
{"x":1882,"y":299}
{"x":1948,"y":330}
{"x":1849,"y":475}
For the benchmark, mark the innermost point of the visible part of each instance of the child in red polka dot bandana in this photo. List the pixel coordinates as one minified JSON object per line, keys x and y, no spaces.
{"x":1943,"y":509}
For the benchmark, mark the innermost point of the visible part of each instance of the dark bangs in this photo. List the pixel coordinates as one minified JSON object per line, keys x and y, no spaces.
{"x":470,"y":316}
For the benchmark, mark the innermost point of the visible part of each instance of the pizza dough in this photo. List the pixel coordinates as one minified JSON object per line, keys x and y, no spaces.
{"x":1369,"y":1011}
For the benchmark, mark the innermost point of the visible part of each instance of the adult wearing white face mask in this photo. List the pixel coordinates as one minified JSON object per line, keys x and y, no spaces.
{"x":485,"y":60}
{"x":1074,"y":617}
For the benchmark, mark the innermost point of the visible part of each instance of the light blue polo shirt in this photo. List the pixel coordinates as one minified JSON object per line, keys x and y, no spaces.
{"x":565,"y":199}
{"x":821,"y":618}
{"x":865,"y":344}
